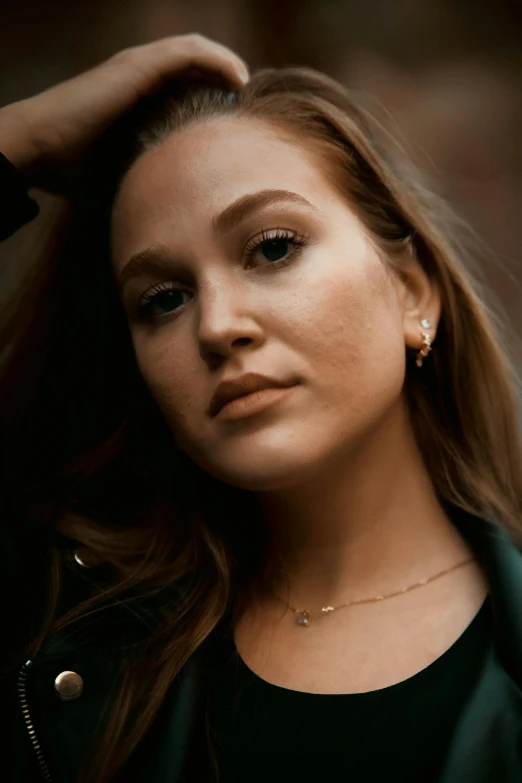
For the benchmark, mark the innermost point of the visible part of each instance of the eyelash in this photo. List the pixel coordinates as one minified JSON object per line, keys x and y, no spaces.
{"x":299,"y":241}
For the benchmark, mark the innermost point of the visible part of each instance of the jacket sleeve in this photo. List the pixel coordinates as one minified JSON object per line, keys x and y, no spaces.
{"x":16,"y":206}
{"x":22,"y":551}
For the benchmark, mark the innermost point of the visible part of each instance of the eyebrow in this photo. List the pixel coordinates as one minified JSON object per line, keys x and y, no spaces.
{"x":157,"y":258}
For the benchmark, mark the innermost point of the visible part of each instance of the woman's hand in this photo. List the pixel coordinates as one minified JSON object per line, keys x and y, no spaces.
{"x":45,"y":136}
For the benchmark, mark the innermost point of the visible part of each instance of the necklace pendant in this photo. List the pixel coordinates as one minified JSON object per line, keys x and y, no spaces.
{"x":302,"y":617}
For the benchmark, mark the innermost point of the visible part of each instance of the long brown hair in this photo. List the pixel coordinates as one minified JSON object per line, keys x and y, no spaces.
{"x":90,"y":457}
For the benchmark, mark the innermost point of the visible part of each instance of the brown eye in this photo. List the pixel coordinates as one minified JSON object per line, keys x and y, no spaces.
{"x":275,"y":246}
{"x":166,"y":298}
{"x":274,"y":249}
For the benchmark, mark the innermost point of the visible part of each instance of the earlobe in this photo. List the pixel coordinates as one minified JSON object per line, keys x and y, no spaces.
{"x":426,"y":343}
{"x":421,"y":305}
{"x":425,"y":334}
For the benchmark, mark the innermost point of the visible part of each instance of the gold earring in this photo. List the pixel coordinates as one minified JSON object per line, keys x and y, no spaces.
{"x":426,"y":343}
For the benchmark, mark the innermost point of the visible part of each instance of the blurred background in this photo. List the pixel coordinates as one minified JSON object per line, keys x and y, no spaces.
{"x":446,"y":75}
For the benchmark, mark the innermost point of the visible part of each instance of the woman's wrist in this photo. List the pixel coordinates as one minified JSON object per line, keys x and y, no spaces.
{"x":18,"y":162}
{"x":17,"y":143}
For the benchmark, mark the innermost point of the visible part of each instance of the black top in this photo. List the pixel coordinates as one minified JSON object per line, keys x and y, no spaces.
{"x":265,"y":733}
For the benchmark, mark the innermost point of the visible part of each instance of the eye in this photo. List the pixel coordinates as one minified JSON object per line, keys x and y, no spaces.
{"x":165,"y":296}
{"x":276,"y":246}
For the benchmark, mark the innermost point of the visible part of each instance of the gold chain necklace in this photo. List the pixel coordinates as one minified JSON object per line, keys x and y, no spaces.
{"x":304,"y":617}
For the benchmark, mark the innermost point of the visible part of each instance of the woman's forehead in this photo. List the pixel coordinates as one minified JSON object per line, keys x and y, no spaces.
{"x":220,"y":155}
{"x":200,"y":171}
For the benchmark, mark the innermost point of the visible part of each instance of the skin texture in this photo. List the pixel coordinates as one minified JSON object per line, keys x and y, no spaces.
{"x":334,"y":464}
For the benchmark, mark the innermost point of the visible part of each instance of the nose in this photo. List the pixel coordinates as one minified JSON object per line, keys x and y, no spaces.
{"x":227,"y":319}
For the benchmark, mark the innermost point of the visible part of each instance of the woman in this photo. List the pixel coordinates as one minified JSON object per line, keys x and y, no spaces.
{"x":261,"y":446}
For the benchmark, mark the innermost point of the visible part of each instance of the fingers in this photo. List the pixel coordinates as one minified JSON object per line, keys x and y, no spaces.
{"x":168,"y":56}
{"x":60,"y":123}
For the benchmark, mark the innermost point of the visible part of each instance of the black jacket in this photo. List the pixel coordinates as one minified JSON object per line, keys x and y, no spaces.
{"x":50,"y":735}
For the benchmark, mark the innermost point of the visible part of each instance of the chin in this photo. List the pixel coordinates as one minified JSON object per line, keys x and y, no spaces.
{"x":266,"y":470}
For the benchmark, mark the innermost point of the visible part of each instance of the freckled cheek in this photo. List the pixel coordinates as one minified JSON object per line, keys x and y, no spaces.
{"x":351,"y":341}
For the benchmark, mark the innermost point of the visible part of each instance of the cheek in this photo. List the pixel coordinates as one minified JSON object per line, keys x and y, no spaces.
{"x":169,"y":381}
{"x":350,"y":331}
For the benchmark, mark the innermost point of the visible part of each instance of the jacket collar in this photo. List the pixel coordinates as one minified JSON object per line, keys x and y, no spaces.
{"x":502,"y":563}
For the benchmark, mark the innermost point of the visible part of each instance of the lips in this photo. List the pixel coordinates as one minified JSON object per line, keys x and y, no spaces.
{"x":244,"y":384}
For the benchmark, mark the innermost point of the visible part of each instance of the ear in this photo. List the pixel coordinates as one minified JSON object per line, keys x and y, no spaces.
{"x":419,"y":297}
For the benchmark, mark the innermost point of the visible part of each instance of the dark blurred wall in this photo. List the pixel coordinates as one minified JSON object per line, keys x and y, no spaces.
{"x":447,"y":75}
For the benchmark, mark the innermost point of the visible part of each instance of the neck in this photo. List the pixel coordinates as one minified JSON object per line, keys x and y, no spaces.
{"x":367,"y":524}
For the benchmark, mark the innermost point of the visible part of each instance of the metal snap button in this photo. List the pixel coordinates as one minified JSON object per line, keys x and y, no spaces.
{"x":79,"y":559}
{"x":68,"y":686}
{"x":84,"y":557}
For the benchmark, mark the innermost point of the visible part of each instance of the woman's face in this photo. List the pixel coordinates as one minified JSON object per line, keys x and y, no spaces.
{"x":286,"y":286}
